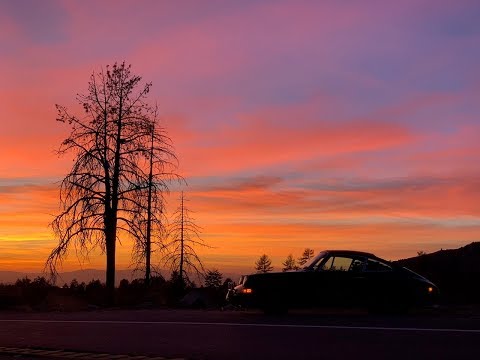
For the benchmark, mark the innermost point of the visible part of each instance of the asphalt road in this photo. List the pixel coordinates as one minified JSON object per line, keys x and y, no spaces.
{"x":248,"y":335}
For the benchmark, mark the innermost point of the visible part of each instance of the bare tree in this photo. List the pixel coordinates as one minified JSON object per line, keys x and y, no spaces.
{"x":98,"y":198}
{"x":184,"y":236}
{"x":289,"y":264}
{"x":149,"y":220}
{"x":263,"y":264}
{"x":307,"y":255}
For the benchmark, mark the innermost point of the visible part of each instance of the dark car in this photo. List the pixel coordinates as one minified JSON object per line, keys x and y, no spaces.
{"x":336,"y":278}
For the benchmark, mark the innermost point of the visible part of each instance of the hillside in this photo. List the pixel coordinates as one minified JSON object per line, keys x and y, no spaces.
{"x":455,"y":271}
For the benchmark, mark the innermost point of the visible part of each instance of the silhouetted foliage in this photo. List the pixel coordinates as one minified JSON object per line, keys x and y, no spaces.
{"x":124,"y":283}
{"x":263,"y":264}
{"x":184,"y":236}
{"x":177,"y":287}
{"x":111,"y":141}
{"x":307,"y":255}
{"x":38,"y":294}
{"x":26,"y":292}
{"x":94,"y":285}
{"x":24,"y":282}
{"x":77,"y":287}
{"x":213,"y":279}
{"x":289,"y":263}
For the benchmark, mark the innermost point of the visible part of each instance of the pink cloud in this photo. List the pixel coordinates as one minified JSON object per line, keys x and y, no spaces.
{"x":267,"y":140}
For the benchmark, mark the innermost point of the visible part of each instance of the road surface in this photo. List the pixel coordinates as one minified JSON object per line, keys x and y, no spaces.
{"x":222,"y":335}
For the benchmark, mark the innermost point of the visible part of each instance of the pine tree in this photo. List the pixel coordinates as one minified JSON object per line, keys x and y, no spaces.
{"x":289,"y":264}
{"x":263,"y":264}
{"x":307,"y":255}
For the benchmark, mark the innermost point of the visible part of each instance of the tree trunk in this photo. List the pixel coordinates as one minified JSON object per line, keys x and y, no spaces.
{"x":110,"y":244}
{"x":111,"y":228}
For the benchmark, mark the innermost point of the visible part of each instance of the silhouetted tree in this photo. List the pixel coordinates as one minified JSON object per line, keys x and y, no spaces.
{"x":124,"y":283}
{"x":307,"y":255}
{"x":263,"y":264}
{"x":184,"y":235}
{"x":178,"y":285}
{"x":148,"y":225}
{"x":77,"y":287}
{"x":94,"y":285}
{"x":213,"y":279}
{"x":110,"y":143}
{"x":289,"y":263}
{"x":74,"y":284}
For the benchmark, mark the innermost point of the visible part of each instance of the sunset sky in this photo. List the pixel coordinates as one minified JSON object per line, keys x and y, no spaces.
{"x":321,"y":124}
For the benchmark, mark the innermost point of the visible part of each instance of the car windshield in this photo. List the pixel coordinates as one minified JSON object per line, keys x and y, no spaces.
{"x":316,"y":260}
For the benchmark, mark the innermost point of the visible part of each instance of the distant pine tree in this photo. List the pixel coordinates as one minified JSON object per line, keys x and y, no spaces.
{"x":289,"y":264}
{"x":263,"y":264}
{"x":307,"y":255}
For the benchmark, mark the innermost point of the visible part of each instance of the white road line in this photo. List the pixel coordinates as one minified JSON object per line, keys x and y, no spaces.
{"x":293,"y":326}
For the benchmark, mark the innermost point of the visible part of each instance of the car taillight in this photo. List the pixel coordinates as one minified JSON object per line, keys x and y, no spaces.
{"x":247,"y":291}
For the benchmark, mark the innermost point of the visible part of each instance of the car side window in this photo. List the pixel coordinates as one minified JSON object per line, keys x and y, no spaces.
{"x":377,"y":266}
{"x":337,"y":263}
{"x":326,"y":264}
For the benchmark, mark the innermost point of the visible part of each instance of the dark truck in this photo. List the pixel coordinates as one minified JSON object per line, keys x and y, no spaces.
{"x":338,"y":278}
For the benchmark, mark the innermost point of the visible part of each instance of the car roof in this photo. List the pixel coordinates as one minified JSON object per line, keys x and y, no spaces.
{"x":351,"y":252}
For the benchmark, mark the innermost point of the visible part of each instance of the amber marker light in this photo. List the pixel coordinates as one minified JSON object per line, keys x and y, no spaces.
{"x":430,"y":289}
{"x":247,"y":291}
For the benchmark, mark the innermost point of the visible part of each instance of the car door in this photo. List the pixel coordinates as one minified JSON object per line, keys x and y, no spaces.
{"x":382,"y":285}
{"x":340,"y":281}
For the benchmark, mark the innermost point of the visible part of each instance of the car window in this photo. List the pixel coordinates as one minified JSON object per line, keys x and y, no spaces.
{"x":377,"y":266}
{"x":337,"y":263}
{"x":343,"y":263}
{"x":327,"y":264}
